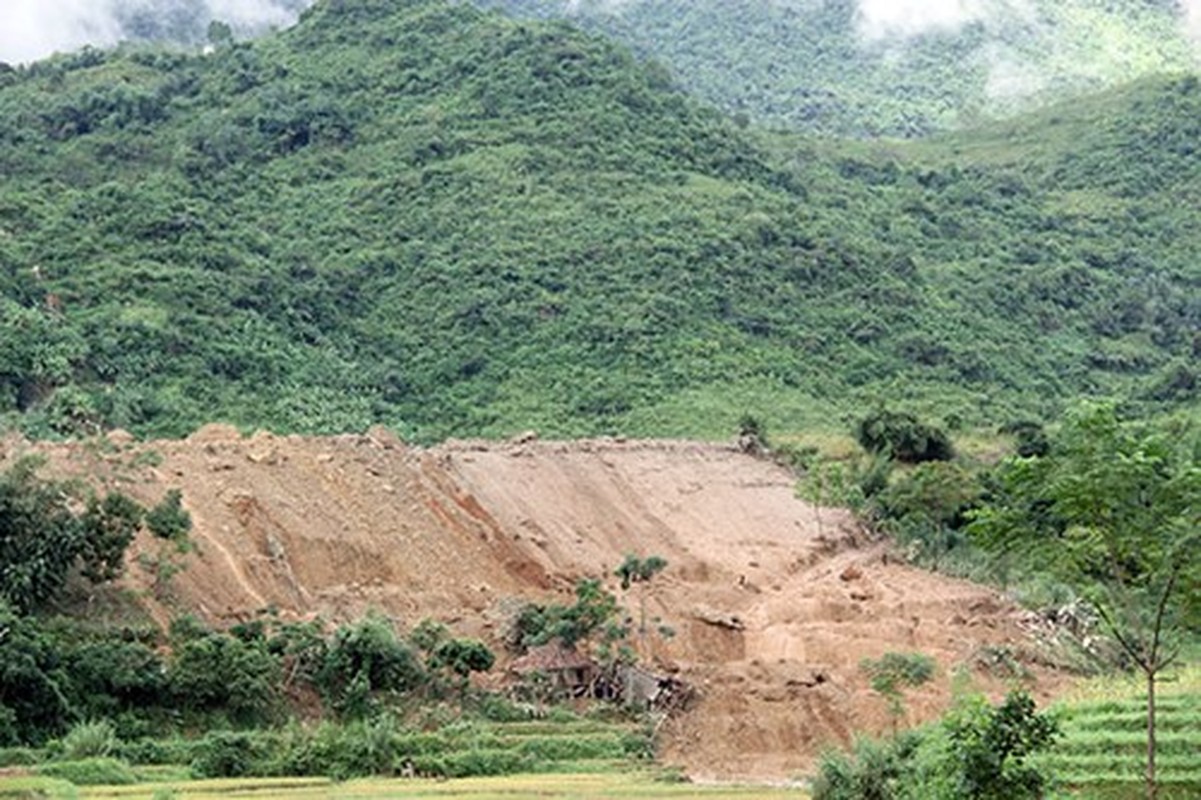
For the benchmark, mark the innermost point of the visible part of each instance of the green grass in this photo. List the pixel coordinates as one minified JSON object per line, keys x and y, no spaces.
{"x":1102,"y":753}
{"x":566,"y":787}
{"x":30,"y":788}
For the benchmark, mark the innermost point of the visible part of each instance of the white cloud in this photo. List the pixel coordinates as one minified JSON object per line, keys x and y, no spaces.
{"x":883,"y":19}
{"x":251,"y":14}
{"x":1192,"y":18}
{"x":33,"y":29}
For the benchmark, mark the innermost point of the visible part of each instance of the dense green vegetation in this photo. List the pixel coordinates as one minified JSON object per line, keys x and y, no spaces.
{"x":1096,"y":525}
{"x":453,"y":223}
{"x":978,"y":752}
{"x":836,"y":67}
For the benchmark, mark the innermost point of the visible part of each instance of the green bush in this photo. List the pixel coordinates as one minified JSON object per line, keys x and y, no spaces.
{"x":90,"y":771}
{"x":356,"y":749}
{"x":904,"y":437}
{"x":37,"y":788}
{"x":362,"y":661}
{"x":158,"y":751}
{"x":216,"y":673}
{"x":168,"y":519}
{"x":473,"y":763}
{"x":978,"y":752}
{"x":20,"y":756}
{"x":90,"y":740}
{"x":232,"y":754}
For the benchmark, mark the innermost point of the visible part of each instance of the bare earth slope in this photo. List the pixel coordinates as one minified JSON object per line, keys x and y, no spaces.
{"x":773,"y":601}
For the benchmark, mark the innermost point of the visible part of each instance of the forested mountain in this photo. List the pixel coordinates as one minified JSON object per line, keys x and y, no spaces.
{"x":869,"y":68}
{"x":427,"y":215}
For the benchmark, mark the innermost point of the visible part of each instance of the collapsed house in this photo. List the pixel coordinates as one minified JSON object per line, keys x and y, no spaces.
{"x":555,"y":671}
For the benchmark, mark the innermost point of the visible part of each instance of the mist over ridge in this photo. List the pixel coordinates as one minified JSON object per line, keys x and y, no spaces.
{"x":34,"y":29}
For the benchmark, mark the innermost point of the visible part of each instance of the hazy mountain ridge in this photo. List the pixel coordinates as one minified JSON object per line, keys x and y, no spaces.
{"x":865,"y":69}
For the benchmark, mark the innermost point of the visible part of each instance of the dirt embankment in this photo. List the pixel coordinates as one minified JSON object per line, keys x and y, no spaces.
{"x":774,"y":602}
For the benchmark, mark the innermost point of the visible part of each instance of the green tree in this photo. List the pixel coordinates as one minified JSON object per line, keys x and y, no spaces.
{"x":1115,"y":511}
{"x":989,"y":748}
{"x":217,"y":673}
{"x":640,"y":570}
{"x":363,"y":661}
{"x":462,"y":657}
{"x":42,"y":537}
{"x":33,"y":702}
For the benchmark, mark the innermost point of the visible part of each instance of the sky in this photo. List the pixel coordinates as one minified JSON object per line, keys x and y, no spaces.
{"x":32,"y":29}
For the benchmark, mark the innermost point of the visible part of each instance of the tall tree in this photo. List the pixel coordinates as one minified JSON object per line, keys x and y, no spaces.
{"x":1115,"y":511}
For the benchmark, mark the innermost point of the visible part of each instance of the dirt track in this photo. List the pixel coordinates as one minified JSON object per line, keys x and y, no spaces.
{"x":773,"y":601}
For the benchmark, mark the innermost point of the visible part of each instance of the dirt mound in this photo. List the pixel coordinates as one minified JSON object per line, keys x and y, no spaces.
{"x":773,"y":602}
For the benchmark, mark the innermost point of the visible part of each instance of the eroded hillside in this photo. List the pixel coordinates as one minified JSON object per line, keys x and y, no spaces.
{"x":774,"y":602}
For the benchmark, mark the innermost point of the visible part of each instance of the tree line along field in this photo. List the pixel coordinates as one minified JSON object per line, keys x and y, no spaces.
{"x":454,"y":223}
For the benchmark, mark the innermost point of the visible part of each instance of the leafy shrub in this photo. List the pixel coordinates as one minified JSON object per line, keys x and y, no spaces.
{"x":473,"y":763}
{"x":989,"y":747}
{"x":20,"y":756}
{"x":357,"y":749}
{"x":159,"y":751}
{"x":90,"y":771}
{"x":90,"y":740}
{"x":903,"y":436}
{"x":871,"y":772}
{"x":939,"y":493}
{"x":219,"y":673}
{"x":892,"y":673}
{"x":168,"y":519}
{"x":365,"y":659}
{"x":978,"y":752}
{"x":231,"y":754}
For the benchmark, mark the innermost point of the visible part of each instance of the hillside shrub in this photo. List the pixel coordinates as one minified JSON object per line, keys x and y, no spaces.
{"x":158,"y":751}
{"x":473,"y":763}
{"x":90,"y":772}
{"x":232,"y":754}
{"x":977,"y":752}
{"x":95,"y":739}
{"x":364,"y":660}
{"x":342,"y":751}
{"x":903,"y":436}
{"x":217,"y":673}
{"x":168,"y":519}
{"x":20,"y":756}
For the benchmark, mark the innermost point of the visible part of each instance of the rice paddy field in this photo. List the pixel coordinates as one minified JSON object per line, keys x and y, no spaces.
{"x":1101,"y":755}
{"x":548,"y":787}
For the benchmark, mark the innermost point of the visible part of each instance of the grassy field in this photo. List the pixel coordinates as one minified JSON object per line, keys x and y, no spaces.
{"x":564,"y":787}
{"x":1102,"y":751}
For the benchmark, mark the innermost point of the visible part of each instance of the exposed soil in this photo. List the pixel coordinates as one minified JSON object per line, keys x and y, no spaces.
{"x":774,"y":602}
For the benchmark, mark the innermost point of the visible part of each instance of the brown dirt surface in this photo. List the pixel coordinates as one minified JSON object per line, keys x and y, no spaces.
{"x":774,"y":602}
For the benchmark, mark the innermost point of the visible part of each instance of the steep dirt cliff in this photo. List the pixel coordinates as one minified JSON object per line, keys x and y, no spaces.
{"x":774,"y":602}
